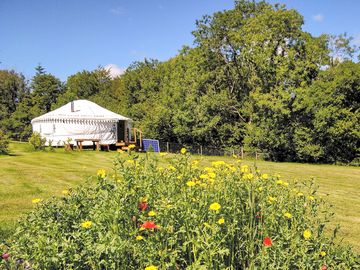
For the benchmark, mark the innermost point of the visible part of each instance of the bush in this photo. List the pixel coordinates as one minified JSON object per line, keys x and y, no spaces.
{"x":181,"y":216}
{"x":4,"y":143}
{"x":37,"y":142}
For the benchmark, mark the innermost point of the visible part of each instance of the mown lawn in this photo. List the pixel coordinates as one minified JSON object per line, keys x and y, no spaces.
{"x":25,"y":175}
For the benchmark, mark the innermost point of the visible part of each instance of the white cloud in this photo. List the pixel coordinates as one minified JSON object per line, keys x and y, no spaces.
{"x":318,"y":17}
{"x":118,"y":10}
{"x":114,"y":70}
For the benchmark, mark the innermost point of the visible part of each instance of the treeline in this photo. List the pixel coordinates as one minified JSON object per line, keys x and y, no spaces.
{"x":253,"y":78}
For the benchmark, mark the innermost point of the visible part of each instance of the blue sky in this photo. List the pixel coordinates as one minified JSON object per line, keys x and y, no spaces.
{"x":67,"y":36}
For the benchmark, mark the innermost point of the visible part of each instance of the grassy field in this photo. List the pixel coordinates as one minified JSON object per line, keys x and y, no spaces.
{"x":25,"y":175}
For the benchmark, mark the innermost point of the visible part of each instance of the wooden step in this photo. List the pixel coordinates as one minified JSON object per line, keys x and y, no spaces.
{"x":120,"y":144}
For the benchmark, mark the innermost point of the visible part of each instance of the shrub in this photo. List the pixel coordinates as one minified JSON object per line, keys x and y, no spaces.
{"x":4,"y":143}
{"x":181,"y":216}
{"x":37,"y":142}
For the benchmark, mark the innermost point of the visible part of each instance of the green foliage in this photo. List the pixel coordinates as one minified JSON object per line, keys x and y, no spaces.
{"x":37,"y":142}
{"x":4,"y":143}
{"x":219,"y":217}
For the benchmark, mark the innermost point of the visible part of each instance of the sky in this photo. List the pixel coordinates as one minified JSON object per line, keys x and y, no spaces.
{"x":68,"y":36}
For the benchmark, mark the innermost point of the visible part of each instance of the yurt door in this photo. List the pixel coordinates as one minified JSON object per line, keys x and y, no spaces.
{"x":121,"y":131}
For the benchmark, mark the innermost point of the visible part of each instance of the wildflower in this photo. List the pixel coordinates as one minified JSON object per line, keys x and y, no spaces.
{"x":286,"y":184}
{"x":120,"y":151}
{"x":172,"y":168}
{"x":219,"y":163}
{"x":211,"y":175}
{"x":190,"y":183}
{"x":143,"y":206}
{"x":101,"y":173}
{"x":221,"y":221}
{"x":279,"y":182}
{"x":149,"y":225}
{"x":65,"y":192}
{"x":260,"y":188}
{"x":311,"y":198}
{"x":204,"y":176}
{"x":265,"y":176}
{"x":215,"y":206}
{"x":86,"y":224}
{"x":151,"y":267}
{"x":324,"y":267}
{"x":244,"y":168}
{"x":267,"y":241}
{"x":231,"y":167}
{"x":307,"y":234}
{"x":131,"y":146}
{"x":37,"y":200}
{"x":300,"y":194}
{"x":162,"y":154}
{"x":271,"y":199}
{"x":322,"y":253}
{"x":5,"y":256}
{"x":183,"y":151}
{"x":160,"y":169}
{"x":130,"y":161}
{"x":249,"y":176}
{"x":139,"y":238}
{"x":288,"y":215}
{"x":151,"y":214}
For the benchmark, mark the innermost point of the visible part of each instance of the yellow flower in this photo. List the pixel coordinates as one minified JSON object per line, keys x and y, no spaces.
{"x":86,"y":224}
{"x":300,"y":194}
{"x":120,"y":151}
{"x":101,"y":173}
{"x":221,"y":221}
{"x":190,"y":183}
{"x":249,"y":176}
{"x":322,"y":253}
{"x":151,"y":214}
{"x":244,"y":168}
{"x":307,"y":234}
{"x":279,"y":182}
{"x":285,"y":184}
{"x":204,"y":176}
{"x":36,"y":200}
{"x":212,"y":175}
{"x":139,"y":238}
{"x":172,"y":168}
{"x":65,"y":192}
{"x":271,"y":199}
{"x":231,"y":167}
{"x":151,"y":267}
{"x":311,"y":198}
{"x":215,"y":206}
{"x":207,"y":225}
{"x":162,"y":154}
{"x":160,"y":169}
{"x":288,"y":215}
{"x":265,"y":176}
{"x":131,"y":146}
{"x":260,"y":188}
{"x":218,"y":163}
{"x":130,"y":161}
{"x":183,"y":151}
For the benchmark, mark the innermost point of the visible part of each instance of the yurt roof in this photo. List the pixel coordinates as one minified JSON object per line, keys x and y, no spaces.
{"x":81,"y":110}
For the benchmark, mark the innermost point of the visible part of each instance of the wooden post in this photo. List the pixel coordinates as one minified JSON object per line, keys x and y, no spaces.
{"x":256,"y":155}
{"x":167,"y":147}
{"x":201,"y":151}
{"x":242,"y":152}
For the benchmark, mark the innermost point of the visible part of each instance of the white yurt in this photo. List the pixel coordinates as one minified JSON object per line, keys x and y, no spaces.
{"x":82,"y":119}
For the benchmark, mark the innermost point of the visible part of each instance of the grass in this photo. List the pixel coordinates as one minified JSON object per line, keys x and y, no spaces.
{"x":25,"y":175}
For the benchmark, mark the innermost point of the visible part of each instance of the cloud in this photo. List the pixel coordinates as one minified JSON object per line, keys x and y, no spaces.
{"x":118,"y":10}
{"x":318,"y":17}
{"x":114,"y":70}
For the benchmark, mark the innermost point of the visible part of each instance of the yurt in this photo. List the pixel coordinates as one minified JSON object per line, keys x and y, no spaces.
{"x":82,"y":119}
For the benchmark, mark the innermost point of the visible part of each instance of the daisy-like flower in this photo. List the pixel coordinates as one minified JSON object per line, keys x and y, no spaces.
{"x":307,"y":234}
{"x":215,"y":206}
{"x":287,"y":215}
{"x":37,"y":200}
{"x":183,"y":151}
{"x":151,"y":267}
{"x":86,"y":224}
{"x":65,"y":192}
{"x":190,"y":183}
{"x":322,"y":253}
{"x":151,"y":214}
{"x":221,"y":221}
{"x":139,"y":238}
{"x":101,"y":173}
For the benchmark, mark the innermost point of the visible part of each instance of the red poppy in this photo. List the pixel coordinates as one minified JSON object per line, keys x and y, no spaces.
{"x":149,"y":225}
{"x":5,"y":256}
{"x":267,"y":241}
{"x":143,"y":206}
{"x":258,"y":215}
{"x":324,"y":267}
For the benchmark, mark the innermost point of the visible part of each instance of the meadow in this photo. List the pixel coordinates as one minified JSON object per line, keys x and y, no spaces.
{"x":25,"y":175}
